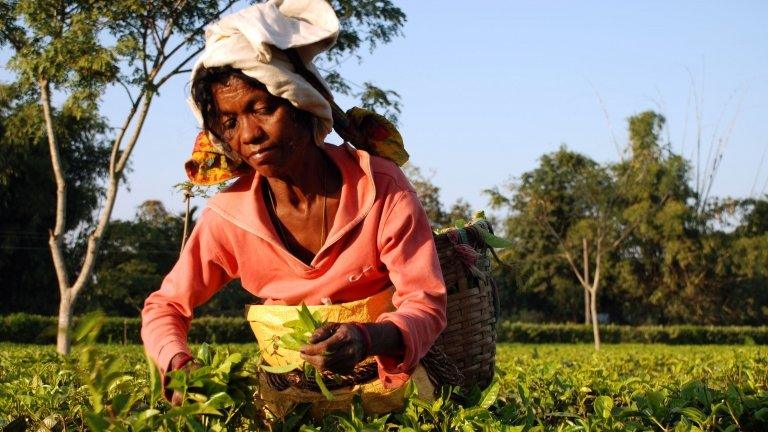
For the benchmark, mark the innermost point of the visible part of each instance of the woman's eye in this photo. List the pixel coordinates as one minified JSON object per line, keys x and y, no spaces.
{"x":229,"y":123}
{"x":264,"y":109}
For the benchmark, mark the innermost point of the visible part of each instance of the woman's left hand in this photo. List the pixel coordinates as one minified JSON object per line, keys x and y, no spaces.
{"x":336,"y":347}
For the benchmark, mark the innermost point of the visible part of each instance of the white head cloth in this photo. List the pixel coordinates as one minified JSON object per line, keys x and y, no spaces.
{"x":244,"y":40}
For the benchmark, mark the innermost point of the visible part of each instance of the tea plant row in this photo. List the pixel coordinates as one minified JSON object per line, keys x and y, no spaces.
{"x":538,"y":388}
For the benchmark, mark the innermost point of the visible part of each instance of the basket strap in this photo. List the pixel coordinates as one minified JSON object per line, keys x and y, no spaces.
{"x":466,"y":251}
{"x":496,"y":300}
{"x":440,"y":369}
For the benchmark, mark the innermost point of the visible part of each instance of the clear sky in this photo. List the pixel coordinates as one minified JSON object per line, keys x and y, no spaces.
{"x":487,"y":87}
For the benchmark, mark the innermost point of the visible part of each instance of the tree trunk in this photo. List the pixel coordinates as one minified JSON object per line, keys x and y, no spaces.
{"x":587,"y":310}
{"x":56,"y":238}
{"x":63,"y":335}
{"x":593,"y":310}
{"x":69,"y":294}
{"x":585,"y":257}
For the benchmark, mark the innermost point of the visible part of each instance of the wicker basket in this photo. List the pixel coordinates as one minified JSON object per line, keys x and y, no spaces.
{"x":469,"y":339}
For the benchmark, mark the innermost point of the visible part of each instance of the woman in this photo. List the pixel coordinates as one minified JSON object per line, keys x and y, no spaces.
{"x":306,"y":221}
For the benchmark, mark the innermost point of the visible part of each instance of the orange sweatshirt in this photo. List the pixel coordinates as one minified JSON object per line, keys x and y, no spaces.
{"x":380,"y":238}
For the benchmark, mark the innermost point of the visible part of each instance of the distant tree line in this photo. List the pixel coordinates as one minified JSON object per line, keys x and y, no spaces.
{"x":137,"y":255}
{"x":669,"y":255}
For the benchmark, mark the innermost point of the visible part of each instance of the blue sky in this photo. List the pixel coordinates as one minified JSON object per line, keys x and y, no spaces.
{"x":488,"y":87}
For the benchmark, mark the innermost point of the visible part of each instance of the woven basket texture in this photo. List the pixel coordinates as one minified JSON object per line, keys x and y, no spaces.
{"x":469,"y":339}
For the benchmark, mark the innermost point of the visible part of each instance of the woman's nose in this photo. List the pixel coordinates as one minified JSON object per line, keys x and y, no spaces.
{"x":251,"y":131}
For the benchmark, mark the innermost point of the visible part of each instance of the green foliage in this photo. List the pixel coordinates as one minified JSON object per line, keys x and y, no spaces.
{"x":673,"y":335}
{"x":667,"y":245}
{"x":58,"y":42}
{"x":134,"y":258}
{"x":385,"y":102}
{"x":670,"y":259}
{"x":24,"y":328}
{"x":538,"y":388}
{"x":300,"y":334}
{"x":27,"y":189}
{"x":216,"y":396}
{"x":755,"y":221}
{"x":363,"y":24}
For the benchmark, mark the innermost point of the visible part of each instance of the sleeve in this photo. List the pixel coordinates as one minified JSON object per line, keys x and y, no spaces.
{"x":198,"y":274}
{"x":407,"y":248}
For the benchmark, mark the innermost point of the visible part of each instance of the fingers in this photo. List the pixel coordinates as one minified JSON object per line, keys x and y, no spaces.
{"x":190,"y":366}
{"x":339,"y":352}
{"x":176,"y":399}
{"x":325,"y":346}
{"x":341,"y":361}
{"x":323,"y":332}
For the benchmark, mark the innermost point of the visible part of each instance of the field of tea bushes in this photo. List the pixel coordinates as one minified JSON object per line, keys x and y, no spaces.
{"x":538,"y":388}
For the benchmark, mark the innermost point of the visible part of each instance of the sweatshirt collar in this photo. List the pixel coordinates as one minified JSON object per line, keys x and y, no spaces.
{"x":242,"y":203}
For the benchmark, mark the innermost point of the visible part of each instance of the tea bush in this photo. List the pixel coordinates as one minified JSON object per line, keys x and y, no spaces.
{"x":25,"y":328}
{"x":538,"y":388}
{"x":673,"y":335}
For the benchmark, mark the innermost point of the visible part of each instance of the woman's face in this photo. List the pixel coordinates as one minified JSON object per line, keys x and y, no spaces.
{"x":262,"y":128}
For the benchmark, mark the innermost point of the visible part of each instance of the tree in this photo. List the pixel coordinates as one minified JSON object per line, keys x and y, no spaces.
{"x":592,"y":227}
{"x":77,"y":48}
{"x":46,"y":38}
{"x":27,"y":189}
{"x":551,"y":193}
{"x":574,"y":210}
{"x":662,"y":258}
{"x":736,"y":262}
{"x":134,"y":258}
{"x":755,"y":220}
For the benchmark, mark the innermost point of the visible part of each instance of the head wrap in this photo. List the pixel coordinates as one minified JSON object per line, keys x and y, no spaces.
{"x":247,"y":39}
{"x":253,"y":41}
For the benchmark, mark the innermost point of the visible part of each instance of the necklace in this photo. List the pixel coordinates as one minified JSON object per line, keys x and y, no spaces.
{"x":279,"y":224}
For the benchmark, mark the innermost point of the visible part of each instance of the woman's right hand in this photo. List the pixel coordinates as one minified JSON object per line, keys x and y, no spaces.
{"x":338,"y":347}
{"x":184,"y":362}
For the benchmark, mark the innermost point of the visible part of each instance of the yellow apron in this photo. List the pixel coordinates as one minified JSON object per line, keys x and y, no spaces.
{"x":267,"y":324}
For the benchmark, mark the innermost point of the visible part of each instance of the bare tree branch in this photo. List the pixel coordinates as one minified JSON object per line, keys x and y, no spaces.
{"x":118,"y":141}
{"x":144,"y":35}
{"x":566,"y":252}
{"x":197,"y":31}
{"x":156,"y":39}
{"x":127,"y":91}
{"x":178,"y":69}
{"x":136,"y":132}
{"x":608,"y":121}
{"x":56,"y":239}
{"x":94,"y":240}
